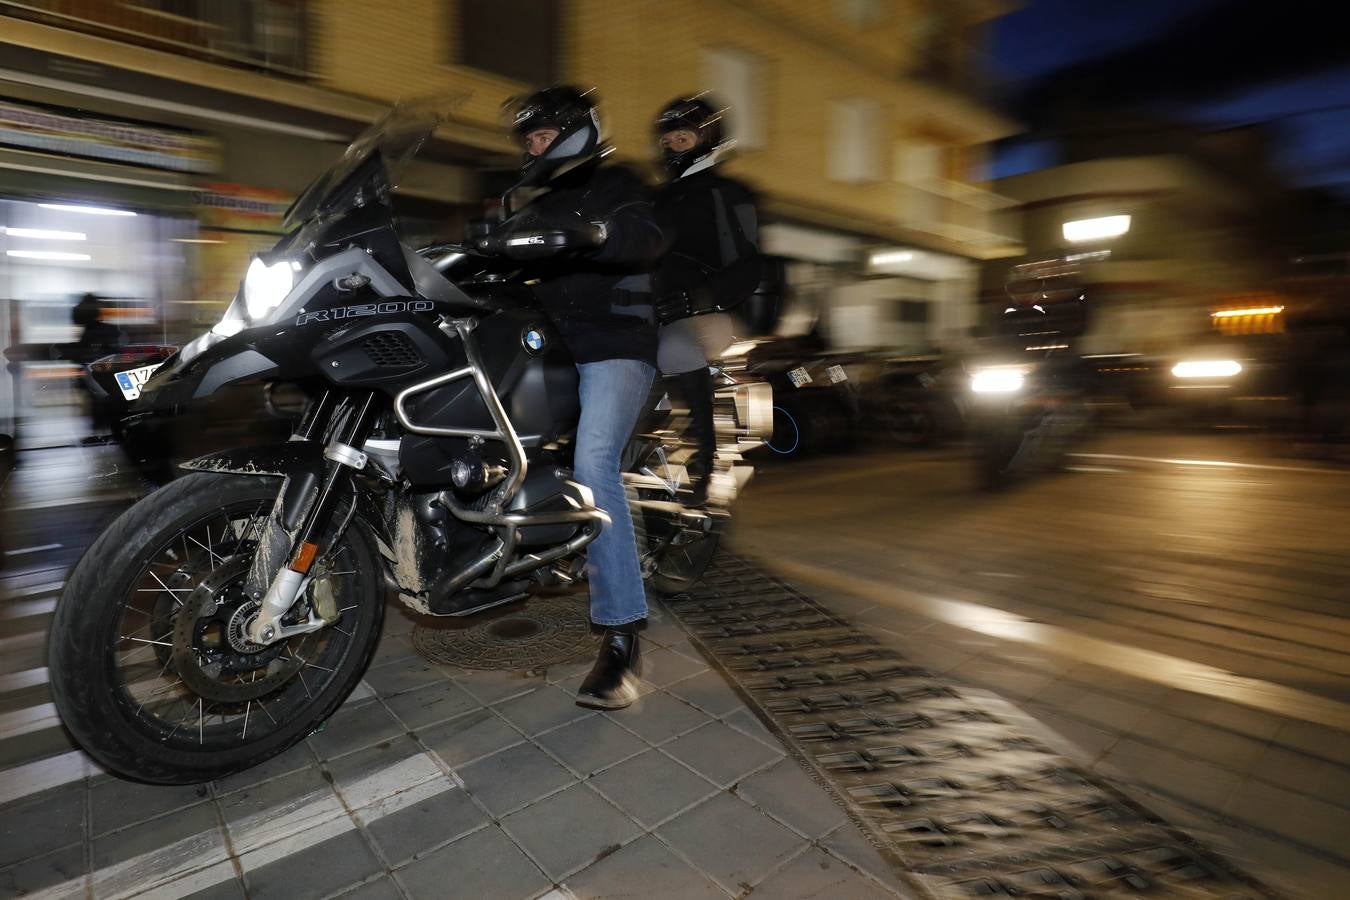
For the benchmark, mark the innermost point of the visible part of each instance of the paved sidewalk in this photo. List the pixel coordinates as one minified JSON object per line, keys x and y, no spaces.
{"x":435,"y":782}
{"x":431,"y":782}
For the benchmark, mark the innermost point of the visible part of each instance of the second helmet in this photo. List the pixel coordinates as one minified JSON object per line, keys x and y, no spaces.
{"x":694,"y":114}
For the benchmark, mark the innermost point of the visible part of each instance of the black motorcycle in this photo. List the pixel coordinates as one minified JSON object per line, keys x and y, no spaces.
{"x":223,"y":617}
{"x":1029,"y":399}
{"x":1024,"y":418}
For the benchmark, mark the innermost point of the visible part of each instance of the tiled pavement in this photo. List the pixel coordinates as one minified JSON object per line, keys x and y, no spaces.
{"x":429,"y":782}
{"x":437,"y":782}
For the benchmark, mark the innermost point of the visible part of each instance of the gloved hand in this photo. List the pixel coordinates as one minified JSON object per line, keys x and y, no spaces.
{"x":582,"y":233}
{"x":518,"y":245}
{"x":672,"y":307}
{"x":678,"y":305}
{"x":541,"y":237}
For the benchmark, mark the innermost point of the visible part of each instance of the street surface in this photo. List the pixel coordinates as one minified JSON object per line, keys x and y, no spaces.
{"x":1172,"y":612}
{"x":1175,"y":607}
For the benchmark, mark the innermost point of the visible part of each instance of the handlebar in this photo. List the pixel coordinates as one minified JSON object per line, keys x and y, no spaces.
{"x":524,"y":246}
{"x":519,"y":245}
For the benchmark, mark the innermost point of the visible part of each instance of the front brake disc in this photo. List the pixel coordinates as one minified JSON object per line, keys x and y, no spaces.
{"x":210,"y":642}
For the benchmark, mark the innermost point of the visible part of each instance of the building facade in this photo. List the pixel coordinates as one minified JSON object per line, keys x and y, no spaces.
{"x":858,"y":122}
{"x":1195,"y":249}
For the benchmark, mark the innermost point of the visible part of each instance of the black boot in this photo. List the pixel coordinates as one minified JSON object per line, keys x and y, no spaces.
{"x":612,"y":682}
{"x":697,"y":387}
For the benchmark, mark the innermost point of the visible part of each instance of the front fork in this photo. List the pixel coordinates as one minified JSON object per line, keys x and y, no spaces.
{"x":304,"y":541}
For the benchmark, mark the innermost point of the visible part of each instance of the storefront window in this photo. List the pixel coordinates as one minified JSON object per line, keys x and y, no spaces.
{"x":53,"y":253}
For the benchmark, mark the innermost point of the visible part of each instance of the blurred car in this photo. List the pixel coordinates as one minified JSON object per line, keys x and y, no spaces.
{"x":1216,"y":381}
{"x":828,"y":402}
{"x":815,"y":402}
{"x":914,"y":401}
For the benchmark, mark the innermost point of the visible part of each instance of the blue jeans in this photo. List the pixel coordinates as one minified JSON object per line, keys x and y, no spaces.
{"x":613,"y":392}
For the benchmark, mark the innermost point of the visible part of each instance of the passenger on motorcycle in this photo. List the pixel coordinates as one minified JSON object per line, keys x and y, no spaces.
{"x":600,"y":301}
{"x":711,"y":264}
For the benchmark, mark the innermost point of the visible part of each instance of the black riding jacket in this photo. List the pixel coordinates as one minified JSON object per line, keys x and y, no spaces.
{"x":712,"y":235}
{"x":600,"y":301}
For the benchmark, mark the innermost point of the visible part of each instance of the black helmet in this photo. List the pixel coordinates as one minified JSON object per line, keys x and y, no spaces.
{"x":694,"y":114}
{"x":566,"y":109}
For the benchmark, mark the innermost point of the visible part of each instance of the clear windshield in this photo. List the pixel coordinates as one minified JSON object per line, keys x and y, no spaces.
{"x":396,"y":136}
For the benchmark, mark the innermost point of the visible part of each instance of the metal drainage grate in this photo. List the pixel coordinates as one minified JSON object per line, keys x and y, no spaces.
{"x":952,"y":788}
{"x":546,"y":631}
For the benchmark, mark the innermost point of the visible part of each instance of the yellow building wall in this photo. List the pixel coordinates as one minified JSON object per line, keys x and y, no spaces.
{"x":638,"y":54}
{"x":390,"y":49}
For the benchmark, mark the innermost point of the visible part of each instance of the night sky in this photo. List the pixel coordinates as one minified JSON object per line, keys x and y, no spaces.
{"x":1310,"y":113}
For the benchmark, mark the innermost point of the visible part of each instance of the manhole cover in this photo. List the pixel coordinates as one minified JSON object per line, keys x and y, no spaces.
{"x":543,"y":632}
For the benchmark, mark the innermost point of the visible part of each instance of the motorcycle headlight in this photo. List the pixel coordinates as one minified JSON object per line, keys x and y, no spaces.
{"x":265,"y":286}
{"x":997,"y":380}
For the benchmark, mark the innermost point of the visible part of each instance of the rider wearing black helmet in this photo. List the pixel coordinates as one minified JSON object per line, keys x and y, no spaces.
{"x":711,"y":264}
{"x":600,"y":301}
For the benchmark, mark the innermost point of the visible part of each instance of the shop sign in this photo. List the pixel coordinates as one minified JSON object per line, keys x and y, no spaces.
{"x":64,"y":132}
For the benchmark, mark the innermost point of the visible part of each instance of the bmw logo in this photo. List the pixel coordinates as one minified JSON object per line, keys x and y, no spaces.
{"x":533,"y":340}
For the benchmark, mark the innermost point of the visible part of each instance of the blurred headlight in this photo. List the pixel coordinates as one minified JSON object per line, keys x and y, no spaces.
{"x":266,"y":286}
{"x":1207,"y":368}
{"x":1000,"y":380}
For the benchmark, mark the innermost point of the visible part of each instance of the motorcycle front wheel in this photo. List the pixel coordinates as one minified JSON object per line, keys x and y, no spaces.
{"x":151,"y":668}
{"x":998,"y":450}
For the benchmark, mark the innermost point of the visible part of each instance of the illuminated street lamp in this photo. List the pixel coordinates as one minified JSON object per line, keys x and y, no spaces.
{"x":1098,"y":229}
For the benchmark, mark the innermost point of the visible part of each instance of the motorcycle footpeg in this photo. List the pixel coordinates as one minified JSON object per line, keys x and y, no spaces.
{"x":473,"y":600}
{"x":698,"y":516}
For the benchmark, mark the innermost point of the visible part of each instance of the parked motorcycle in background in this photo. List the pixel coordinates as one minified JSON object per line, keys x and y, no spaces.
{"x":1028,"y":398}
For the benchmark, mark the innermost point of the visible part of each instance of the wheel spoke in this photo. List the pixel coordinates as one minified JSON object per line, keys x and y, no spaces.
{"x":312,"y":665}
{"x":156,"y":693}
{"x":147,"y":641}
{"x":243,"y":534}
{"x":172,"y":591}
{"x":213,"y":554}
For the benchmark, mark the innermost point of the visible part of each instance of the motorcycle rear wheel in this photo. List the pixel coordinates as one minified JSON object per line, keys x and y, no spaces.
{"x":150,"y":666}
{"x":681,"y":565}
